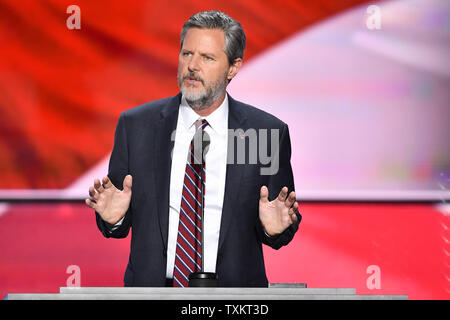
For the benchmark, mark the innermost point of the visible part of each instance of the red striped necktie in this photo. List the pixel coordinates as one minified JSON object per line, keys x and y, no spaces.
{"x":188,"y":253}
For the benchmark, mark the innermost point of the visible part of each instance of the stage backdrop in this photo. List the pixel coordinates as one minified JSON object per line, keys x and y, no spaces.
{"x":363,"y":88}
{"x":362,"y":85}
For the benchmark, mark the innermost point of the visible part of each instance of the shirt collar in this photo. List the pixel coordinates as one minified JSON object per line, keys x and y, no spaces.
{"x":217,"y":120}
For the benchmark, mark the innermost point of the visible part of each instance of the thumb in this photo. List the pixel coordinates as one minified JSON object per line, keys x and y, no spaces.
{"x":127,"y":183}
{"x":264,"y":194}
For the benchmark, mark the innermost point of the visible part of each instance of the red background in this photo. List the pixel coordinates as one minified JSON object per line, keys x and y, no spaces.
{"x":335,"y":245}
{"x":62,"y":92}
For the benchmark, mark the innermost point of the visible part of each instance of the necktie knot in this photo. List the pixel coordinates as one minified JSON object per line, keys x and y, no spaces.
{"x":199,"y":143}
{"x":201,"y":123}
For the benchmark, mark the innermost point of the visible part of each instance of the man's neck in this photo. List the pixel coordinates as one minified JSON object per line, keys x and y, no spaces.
{"x":208,"y":110}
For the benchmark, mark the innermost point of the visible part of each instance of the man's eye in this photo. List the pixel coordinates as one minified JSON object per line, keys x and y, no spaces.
{"x":208,"y":58}
{"x":186,"y":54}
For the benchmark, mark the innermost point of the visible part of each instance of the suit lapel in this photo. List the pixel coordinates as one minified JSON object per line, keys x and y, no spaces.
{"x":163,"y":147}
{"x":236,"y":120}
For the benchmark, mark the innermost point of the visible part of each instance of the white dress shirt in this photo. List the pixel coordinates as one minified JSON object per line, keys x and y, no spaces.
{"x":215,"y":171}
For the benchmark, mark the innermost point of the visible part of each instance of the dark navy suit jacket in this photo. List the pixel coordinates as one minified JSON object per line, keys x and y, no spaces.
{"x":142,"y":148}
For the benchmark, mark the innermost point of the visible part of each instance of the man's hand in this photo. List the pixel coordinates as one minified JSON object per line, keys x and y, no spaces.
{"x":110,"y":203}
{"x":279,"y":214}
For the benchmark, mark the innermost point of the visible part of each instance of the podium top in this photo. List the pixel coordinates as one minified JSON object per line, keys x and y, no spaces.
{"x":205,"y":291}
{"x":143,"y":293}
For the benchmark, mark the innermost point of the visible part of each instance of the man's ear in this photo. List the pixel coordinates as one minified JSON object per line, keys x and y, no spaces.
{"x":234,"y":68}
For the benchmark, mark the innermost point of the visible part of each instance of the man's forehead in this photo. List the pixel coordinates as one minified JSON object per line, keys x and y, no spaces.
{"x":204,"y":37}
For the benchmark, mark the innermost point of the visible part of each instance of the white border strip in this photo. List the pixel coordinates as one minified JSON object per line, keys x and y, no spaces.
{"x":323,"y":195}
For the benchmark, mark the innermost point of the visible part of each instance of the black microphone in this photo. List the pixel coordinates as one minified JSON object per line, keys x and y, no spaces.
{"x":201,"y":147}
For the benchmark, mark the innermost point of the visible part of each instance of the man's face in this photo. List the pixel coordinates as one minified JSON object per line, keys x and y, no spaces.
{"x":203,"y":68}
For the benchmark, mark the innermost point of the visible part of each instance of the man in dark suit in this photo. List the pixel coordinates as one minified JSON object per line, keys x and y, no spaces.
{"x":149,"y":157}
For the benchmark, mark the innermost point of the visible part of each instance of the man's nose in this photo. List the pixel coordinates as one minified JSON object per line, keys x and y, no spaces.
{"x":193,"y":64}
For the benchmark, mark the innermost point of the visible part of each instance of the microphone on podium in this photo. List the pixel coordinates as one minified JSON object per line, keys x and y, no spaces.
{"x":202,"y":278}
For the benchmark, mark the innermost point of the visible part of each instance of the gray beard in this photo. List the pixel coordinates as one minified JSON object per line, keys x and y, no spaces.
{"x":207,"y":97}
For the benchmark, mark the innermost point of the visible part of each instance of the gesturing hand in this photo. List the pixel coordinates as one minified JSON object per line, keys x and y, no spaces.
{"x":110,"y":202}
{"x":279,"y":214}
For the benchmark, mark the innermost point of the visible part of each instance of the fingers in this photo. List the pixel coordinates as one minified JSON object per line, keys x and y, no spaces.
{"x":91,"y":204}
{"x":106,"y":182}
{"x":264,"y":194}
{"x":127,"y":183}
{"x":282,"y":194}
{"x":94,"y":195}
{"x":293,"y":212}
{"x":290,"y":200}
{"x":94,"y":191}
{"x":98,"y":186}
{"x":293,"y":218}
{"x":295,"y":207}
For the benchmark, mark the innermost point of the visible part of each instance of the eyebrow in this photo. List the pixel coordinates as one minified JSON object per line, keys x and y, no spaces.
{"x":202,"y":54}
{"x":209,"y":55}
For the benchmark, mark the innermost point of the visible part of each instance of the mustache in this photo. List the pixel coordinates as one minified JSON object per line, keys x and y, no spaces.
{"x":194,"y":76}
